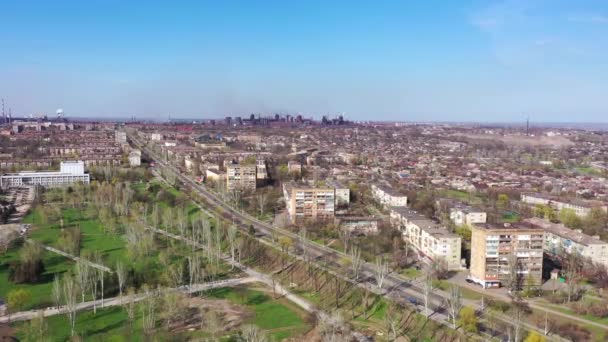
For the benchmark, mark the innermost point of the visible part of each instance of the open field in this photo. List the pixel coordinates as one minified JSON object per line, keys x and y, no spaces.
{"x":40,"y":291}
{"x":279,"y":318}
{"x":269,"y":314}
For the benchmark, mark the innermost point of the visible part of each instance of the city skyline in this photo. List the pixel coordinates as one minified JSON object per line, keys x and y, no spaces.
{"x":498,"y":61}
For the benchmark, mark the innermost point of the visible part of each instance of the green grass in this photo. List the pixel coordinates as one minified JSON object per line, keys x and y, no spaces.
{"x":109,"y":324}
{"x":40,"y":291}
{"x":410,"y":272}
{"x":461,"y":195}
{"x":588,"y":170}
{"x":510,"y":217}
{"x":111,"y":246}
{"x":269,"y":314}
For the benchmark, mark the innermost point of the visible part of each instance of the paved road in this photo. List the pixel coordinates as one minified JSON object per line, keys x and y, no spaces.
{"x":399,"y":287}
{"x":51,"y":311}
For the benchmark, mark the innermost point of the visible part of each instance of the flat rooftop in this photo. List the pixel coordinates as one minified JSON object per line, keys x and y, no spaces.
{"x":423,"y":222}
{"x":565,"y":232}
{"x":506,"y":226}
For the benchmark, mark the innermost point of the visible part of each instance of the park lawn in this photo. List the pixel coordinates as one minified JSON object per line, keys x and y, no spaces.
{"x":111,"y":246}
{"x":461,"y":195}
{"x":568,"y":311}
{"x":269,"y":314}
{"x":410,"y":272}
{"x":41,"y":291}
{"x":109,"y":324}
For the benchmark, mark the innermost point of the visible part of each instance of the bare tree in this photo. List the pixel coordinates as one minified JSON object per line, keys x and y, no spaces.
{"x":83,"y":276}
{"x":572,"y":267}
{"x":514,"y":278}
{"x":355,"y":254}
{"x":518,"y":311}
{"x":70,"y":296}
{"x":454,"y":304}
{"x":231,"y":234}
{"x":262,"y":200}
{"x":148,"y":310}
{"x":176,"y":274}
{"x":57,"y":291}
{"x":251,"y":333}
{"x":345,"y":237}
{"x":428,"y":287}
{"x":130,"y":305}
{"x":392,"y":319}
{"x":194,"y":269}
{"x":99,"y":275}
{"x":380,"y":271}
{"x":121,"y":274}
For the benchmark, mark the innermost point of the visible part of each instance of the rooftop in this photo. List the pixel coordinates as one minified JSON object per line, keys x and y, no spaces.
{"x":565,"y":232}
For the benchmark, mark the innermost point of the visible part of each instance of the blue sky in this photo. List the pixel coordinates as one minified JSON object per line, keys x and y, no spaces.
{"x":375,"y":60}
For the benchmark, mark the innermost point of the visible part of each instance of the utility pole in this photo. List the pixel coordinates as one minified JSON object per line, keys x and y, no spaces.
{"x":528,"y":126}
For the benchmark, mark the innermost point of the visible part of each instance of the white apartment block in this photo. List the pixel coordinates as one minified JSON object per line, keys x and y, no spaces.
{"x":262,"y":172}
{"x":467,"y":215}
{"x":582,"y":208}
{"x":342,"y":193}
{"x":388,"y":197}
{"x":430,"y":239}
{"x":559,"y":239}
{"x":304,"y":202}
{"x":70,"y":172}
{"x":241,"y":177}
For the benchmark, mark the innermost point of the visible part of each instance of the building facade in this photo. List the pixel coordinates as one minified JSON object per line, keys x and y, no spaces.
{"x":499,"y":250}
{"x":387,"y":197}
{"x":241,"y":177}
{"x":305,"y":202}
{"x":582,"y":208}
{"x":560,"y":239}
{"x":467,"y":215}
{"x":70,"y":172}
{"x":430,"y":239}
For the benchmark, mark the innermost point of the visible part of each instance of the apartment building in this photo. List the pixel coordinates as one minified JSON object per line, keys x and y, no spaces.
{"x":387,"y":197}
{"x":342,"y":193}
{"x":304,"y":202}
{"x":560,"y":239}
{"x":582,"y":208}
{"x":462,"y":215}
{"x":261,"y":170}
{"x":70,"y":172}
{"x":495,"y":247}
{"x":430,"y":239}
{"x":241,"y":177}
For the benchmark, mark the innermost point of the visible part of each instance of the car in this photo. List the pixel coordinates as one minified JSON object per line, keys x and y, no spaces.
{"x":469,"y":280}
{"x":412,"y":300}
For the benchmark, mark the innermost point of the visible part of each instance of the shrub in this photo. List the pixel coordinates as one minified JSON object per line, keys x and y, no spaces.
{"x":573,"y":332}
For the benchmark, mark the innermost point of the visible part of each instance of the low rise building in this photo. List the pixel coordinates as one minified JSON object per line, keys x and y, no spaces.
{"x":388,"y":197}
{"x":70,"y":172}
{"x":462,"y":215}
{"x":342,"y":193}
{"x":294,"y":166}
{"x":560,"y":239}
{"x":135,"y":158}
{"x":581,"y":207}
{"x":430,"y":239}
{"x":499,"y":250}
{"x":305,"y":202}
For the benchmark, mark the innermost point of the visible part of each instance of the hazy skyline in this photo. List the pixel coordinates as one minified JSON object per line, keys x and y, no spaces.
{"x":376,"y":60}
